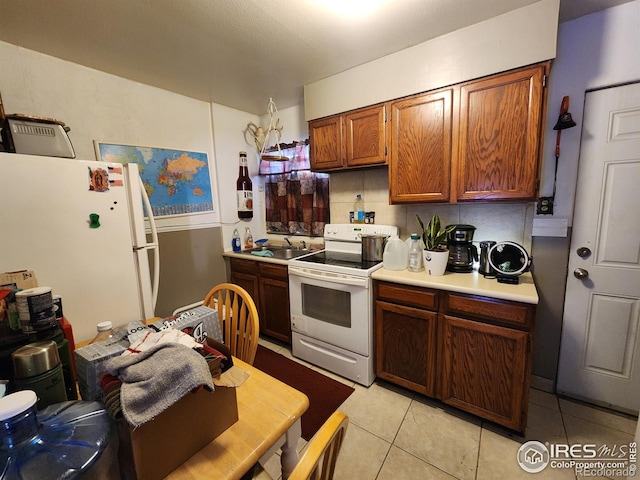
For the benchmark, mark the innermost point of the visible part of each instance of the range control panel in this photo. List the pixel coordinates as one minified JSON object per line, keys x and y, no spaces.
{"x":352,"y":232}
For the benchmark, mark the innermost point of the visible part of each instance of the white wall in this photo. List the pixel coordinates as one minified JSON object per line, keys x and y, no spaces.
{"x":229,"y":125}
{"x":594,"y":51}
{"x":520,"y":37}
{"x":99,"y":106}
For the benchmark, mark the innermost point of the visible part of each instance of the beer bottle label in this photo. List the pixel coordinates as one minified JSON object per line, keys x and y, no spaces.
{"x":245,"y":201}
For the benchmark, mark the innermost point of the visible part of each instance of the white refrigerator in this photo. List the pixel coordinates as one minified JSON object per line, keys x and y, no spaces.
{"x":80,"y":226}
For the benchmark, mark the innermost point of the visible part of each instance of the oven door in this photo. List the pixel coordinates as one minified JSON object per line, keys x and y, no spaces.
{"x":331,"y":307}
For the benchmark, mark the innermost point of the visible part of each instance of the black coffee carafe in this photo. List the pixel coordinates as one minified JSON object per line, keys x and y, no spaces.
{"x":462,"y":252}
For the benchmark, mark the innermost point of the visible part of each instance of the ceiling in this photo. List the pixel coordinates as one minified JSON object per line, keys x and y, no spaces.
{"x":239,"y":53}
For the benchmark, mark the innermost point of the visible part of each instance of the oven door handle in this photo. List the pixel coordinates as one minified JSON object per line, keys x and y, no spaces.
{"x":330,"y":277}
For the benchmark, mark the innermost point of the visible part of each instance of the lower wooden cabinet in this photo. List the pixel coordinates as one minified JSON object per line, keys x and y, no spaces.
{"x":471,"y":352}
{"x":274,"y":301}
{"x":407,"y":336}
{"x":484,"y":370}
{"x":268,"y":285}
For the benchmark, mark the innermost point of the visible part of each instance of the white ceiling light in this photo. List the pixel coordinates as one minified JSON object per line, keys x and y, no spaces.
{"x":352,"y":8}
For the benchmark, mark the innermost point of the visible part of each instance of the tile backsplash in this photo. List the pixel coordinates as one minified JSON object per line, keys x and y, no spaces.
{"x":493,"y":221}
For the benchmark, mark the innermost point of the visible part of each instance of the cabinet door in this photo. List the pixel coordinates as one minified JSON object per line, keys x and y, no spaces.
{"x":245,"y":274}
{"x":325,"y":143}
{"x":365,"y":136}
{"x":421,"y":148}
{"x":249,"y":283}
{"x":406,"y":346}
{"x":275,"y":320}
{"x":500,"y":138}
{"x":486,"y":370}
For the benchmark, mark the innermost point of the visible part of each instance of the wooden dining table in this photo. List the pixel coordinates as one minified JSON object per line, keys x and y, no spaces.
{"x":269,"y":413}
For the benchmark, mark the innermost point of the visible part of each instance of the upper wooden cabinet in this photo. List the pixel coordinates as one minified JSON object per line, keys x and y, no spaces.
{"x":421,"y":148}
{"x":500,"y":137}
{"x":354,"y":139}
{"x":325,"y":143}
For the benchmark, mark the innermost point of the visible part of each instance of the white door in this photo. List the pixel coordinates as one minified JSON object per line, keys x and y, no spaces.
{"x":600,"y":348}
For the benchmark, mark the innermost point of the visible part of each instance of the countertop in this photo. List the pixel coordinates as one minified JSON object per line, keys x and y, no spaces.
{"x":258,"y":258}
{"x":471,"y":283}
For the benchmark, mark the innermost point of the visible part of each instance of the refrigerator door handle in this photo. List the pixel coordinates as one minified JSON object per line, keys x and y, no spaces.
{"x":153,"y":245}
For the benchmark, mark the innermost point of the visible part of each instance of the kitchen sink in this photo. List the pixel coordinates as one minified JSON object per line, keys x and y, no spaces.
{"x":283,"y":253}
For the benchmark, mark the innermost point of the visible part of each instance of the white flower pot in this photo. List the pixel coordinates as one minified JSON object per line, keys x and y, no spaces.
{"x":435,"y":263}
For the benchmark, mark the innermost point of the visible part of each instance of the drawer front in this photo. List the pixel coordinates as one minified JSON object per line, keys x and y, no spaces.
{"x":243,"y":266}
{"x":407,"y":295}
{"x":490,"y":308}
{"x":273,"y":270}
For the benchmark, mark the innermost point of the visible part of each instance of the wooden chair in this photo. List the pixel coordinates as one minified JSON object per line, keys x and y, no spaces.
{"x":318,"y":461}
{"x":239,"y":321}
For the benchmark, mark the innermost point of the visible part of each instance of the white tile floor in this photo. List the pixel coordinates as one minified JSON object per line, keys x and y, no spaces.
{"x":395,"y":434}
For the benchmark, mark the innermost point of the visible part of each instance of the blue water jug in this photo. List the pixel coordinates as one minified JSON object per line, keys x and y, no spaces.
{"x":67,"y":440}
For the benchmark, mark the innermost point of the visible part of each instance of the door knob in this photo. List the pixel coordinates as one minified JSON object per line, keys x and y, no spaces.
{"x":580,"y":273}
{"x":583,"y":252}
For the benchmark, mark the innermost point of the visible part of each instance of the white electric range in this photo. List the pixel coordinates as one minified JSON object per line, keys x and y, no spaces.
{"x":331,"y":303}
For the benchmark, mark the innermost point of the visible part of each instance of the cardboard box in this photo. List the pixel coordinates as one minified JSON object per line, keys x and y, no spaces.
{"x":91,"y":358}
{"x":200,"y":322}
{"x":156,"y":448}
{"x":22,"y":279}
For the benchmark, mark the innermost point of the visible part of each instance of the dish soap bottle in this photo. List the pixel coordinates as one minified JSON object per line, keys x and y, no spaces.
{"x":248,"y":238}
{"x":415,"y":254}
{"x":395,"y":254}
{"x":235,"y":242}
{"x":358,"y":210}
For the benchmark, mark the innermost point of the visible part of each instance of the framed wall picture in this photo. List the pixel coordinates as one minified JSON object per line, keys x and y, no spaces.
{"x":178,"y":182}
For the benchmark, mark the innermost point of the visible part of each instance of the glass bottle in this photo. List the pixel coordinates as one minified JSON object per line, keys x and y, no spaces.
{"x":358,"y":210}
{"x":244,"y":189}
{"x":415,"y":254}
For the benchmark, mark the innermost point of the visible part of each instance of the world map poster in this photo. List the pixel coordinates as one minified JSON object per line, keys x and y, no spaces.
{"x":176,"y":181}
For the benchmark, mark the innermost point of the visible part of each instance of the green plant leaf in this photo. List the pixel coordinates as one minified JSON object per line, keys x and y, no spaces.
{"x":434,"y":236}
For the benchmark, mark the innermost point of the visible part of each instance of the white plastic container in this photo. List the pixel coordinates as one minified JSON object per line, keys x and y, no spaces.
{"x":395,"y":254}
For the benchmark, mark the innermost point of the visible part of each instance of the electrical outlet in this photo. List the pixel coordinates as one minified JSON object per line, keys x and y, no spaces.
{"x":545,"y":206}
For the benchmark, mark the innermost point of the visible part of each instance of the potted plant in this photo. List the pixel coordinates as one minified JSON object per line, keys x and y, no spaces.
{"x":434,"y":237}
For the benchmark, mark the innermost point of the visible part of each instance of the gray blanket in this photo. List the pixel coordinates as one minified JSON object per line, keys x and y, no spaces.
{"x":155,"y":379}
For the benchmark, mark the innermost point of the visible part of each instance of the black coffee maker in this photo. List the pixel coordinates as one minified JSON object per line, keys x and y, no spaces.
{"x":462,"y":252}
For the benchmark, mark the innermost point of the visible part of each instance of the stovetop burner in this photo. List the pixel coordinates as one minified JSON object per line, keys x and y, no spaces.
{"x":340,"y":259}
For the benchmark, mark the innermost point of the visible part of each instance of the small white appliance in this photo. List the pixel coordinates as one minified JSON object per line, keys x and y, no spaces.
{"x":36,"y":136}
{"x":331,"y":303}
{"x":80,"y":226}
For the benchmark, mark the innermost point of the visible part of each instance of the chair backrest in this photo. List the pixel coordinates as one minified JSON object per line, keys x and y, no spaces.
{"x":318,"y":461}
{"x":239,"y":321}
